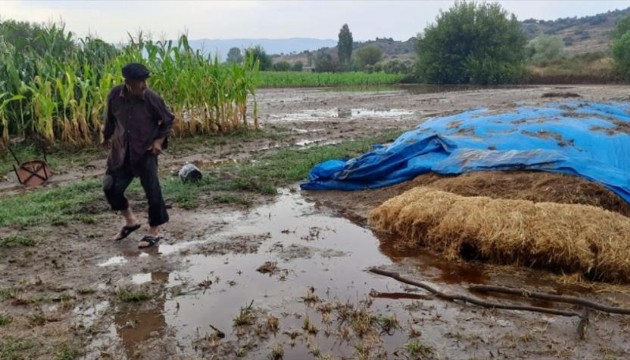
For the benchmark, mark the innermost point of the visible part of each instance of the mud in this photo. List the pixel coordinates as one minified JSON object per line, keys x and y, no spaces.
{"x":201,"y":293}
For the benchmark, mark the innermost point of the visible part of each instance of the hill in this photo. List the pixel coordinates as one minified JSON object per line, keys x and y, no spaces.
{"x":589,"y":34}
{"x":271,"y":46}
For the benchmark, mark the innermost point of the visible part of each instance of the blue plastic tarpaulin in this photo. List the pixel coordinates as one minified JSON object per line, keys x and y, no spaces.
{"x":586,"y":139}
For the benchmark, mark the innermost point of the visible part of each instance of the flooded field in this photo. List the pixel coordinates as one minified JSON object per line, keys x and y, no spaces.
{"x":287,"y":276}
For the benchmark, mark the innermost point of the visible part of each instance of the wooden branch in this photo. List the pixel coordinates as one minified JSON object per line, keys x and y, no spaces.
{"x":471,"y":300}
{"x":551,"y":297}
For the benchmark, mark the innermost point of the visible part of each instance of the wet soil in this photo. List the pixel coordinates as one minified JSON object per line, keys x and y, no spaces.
{"x":286,"y":277}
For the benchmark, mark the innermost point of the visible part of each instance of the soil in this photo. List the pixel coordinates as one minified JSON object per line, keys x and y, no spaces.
{"x":285,"y":278}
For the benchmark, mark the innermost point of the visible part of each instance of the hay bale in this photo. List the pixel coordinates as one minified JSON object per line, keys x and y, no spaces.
{"x":561,"y":237}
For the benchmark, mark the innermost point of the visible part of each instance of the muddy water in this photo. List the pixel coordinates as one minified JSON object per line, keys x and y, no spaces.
{"x":311,"y":247}
{"x":307,"y":248}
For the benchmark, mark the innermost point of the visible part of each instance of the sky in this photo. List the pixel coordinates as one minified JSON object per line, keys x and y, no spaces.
{"x":162,"y":19}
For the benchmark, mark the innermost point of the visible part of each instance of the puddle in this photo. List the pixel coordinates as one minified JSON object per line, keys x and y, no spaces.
{"x":276,"y":256}
{"x":342,"y":113}
{"x":115,"y":260}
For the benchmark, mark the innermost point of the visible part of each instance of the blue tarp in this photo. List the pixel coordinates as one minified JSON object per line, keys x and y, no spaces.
{"x":586,"y":139}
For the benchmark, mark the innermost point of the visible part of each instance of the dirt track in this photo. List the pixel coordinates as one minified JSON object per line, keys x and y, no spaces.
{"x":205,"y":274}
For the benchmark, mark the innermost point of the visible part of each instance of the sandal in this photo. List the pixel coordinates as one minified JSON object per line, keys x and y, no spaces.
{"x":126,"y":231}
{"x":150,"y":240}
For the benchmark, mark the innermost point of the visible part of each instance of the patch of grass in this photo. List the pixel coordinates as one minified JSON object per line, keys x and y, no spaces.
{"x":49,"y":205}
{"x":59,"y":158}
{"x":131,"y":295}
{"x":417,"y":350}
{"x":5,"y":319}
{"x":277,"y":353}
{"x":387,"y":324}
{"x":15,"y":349}
{"x":8,"y":293}
{"x":267,"y":173}
{"x":16,"y":240}
{"x":246,"y":316}
{"x":67,"y":352}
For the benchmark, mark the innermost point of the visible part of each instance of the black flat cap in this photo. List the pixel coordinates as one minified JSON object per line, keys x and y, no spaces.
{"x":135,"y":71}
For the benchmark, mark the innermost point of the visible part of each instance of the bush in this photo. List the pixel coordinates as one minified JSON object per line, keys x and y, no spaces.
{"x":298,"y":66}
{"x":621,"y":56}
{"x":281,"y":66}
{"x":472,"y":43}
{"x":545,"y":48}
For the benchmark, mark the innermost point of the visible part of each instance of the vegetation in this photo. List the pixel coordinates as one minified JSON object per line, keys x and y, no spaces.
{"x":299,"y":79}
{"x":621,"y":48}
{"x":54,"y":85}
{"x":344,"y":46}
{"x":129,"y":295}
{"x":472,"y":43}
{"x":545,"y":48}
{"x":368,"y":56}
{"x":259,"y":56}
{"x":82,"y":201}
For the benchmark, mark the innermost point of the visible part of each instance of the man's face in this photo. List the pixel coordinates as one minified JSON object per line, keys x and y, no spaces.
{"x":136,"y":87}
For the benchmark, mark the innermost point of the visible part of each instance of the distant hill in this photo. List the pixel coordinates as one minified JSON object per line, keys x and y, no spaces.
{"x":271,"y":46}
{"x":587,"y":34}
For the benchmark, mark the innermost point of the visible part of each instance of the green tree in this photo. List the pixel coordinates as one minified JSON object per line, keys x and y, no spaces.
{"x":234,"y":55}
{"x":472,"y":43}
{"x":368,"y":55}
{"x":344,"y":46}
{"x":621,"y":55}
{"x":545,"y":48}
{"x":281,"y":66}
{"x":297,"y":66}
{"x":259,"y":54}
{"x":324,"y":62}
{"x":622,"y":27}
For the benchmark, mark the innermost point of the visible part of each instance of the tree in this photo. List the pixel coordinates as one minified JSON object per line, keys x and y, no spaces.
{"x":281,"y":66}
{"x":297,"y":66}
{"x":622,"y":27}
{"x":324,"y":62}
{"x":545,"y":48}
{"x":259,"y":54}
{"x":472,"y":43}
{"x":621,"y":47}
{"x":234,"y":55}
{"x":368,"y":55}
{"x":344,"y":46}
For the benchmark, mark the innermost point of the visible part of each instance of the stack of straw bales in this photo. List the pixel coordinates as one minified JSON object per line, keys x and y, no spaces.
{"x":562,"y":237}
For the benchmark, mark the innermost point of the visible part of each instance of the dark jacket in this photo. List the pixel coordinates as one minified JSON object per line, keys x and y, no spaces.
{"x":132,"y":124}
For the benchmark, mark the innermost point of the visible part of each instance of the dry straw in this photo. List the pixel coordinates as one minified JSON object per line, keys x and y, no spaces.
{"x":561,"y":237}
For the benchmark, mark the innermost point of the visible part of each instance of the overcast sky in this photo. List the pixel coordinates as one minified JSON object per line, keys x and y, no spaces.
{"x":111,"y":20}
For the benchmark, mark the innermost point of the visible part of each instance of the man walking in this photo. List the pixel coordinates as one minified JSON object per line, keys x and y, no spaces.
{"x":136,"y":130}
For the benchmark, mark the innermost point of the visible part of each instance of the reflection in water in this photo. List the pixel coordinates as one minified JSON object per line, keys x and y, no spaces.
{"x":135,"y":324}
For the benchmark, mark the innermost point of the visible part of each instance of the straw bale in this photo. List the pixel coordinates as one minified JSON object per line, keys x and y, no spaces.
{"x":562,"y":237}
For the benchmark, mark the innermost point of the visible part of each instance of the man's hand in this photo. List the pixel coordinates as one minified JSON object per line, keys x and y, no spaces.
{"x":156,"y":147}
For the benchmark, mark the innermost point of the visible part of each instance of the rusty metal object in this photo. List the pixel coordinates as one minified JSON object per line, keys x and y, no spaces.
{"x":31,"y":173}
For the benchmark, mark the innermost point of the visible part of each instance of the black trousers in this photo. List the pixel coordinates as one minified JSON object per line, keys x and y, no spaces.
{"x":117,"y":181}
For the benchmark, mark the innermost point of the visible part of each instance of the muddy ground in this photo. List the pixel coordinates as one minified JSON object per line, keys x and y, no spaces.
{"x":286,"y":277}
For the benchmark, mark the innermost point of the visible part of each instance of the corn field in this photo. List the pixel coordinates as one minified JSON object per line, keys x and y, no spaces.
{"x":306,"y":79}
{"x":54,"y":86}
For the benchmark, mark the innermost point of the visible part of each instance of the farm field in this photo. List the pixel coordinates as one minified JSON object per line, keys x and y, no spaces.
{"x":253,"y":267}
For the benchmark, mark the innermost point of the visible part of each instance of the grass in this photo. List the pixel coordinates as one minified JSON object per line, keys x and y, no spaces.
{"x":131,"y":296}
{"x":311,"y":79}
{"x":66,"y":352}
{"x":417,"y":350}
{"x":49,"y":206}
{"x":246,"y":316}
{"x":83,"y":200}
{"x":16,"y":240}
{"x":15,"y":349}
{"x":5,"y":319}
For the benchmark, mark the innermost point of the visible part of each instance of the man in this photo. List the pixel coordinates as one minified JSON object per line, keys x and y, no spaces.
{"x":136,"y":128}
